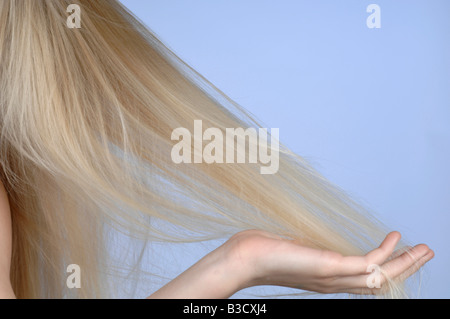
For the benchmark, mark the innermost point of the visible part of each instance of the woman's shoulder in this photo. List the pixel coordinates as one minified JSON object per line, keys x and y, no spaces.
{"x":5,"y":222}
{"x":5,"y":244}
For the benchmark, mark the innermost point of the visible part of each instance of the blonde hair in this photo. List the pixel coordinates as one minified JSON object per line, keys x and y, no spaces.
{"x":86,"y":117}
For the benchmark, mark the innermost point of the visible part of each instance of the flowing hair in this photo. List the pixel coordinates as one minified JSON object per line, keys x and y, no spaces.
{"x":86,"y":119}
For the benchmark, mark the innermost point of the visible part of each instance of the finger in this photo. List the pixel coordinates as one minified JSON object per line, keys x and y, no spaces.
{"x":391,"y":269}
{"x":384,"y":289}
{"x":384,"y":251}
{"x":398,"y":265}
{"x":354,"y":265}
{"x":398,"y":252}
{"x":416,"y":266}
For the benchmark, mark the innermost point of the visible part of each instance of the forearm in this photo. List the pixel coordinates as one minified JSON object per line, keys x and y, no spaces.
{"x":216,"y":276}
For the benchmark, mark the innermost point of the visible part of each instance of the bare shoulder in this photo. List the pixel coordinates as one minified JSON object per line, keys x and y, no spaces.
{"x":5,"y":244}
{"x":5,"y":227}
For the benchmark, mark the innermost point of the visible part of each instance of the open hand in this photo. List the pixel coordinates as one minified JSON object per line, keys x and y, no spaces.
{"x":272,"y":260}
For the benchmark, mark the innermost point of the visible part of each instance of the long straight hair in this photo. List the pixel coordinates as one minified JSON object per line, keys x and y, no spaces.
{"x":86,"y":117}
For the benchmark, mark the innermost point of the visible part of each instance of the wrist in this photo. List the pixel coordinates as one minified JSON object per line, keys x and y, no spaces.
{"x":243,"y":261}
{"x":218,"y":275}
{"x":249,"y":256}
{"x":235,"y":265}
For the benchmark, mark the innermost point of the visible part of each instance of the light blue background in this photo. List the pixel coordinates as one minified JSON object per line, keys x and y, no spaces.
{"x":369,"y":107}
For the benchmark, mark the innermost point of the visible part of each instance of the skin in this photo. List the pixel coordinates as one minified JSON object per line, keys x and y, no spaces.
{"x":6,"y":291}
{"x":243,"y":262}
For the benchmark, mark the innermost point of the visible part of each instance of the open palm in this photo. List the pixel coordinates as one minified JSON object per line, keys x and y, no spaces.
{"x":281,"y":262}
